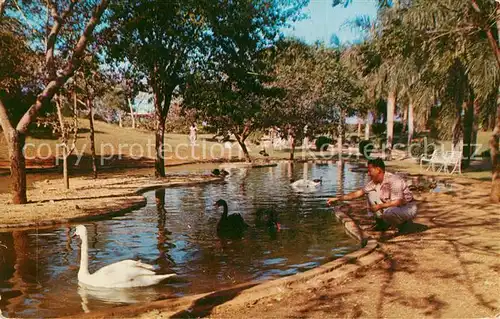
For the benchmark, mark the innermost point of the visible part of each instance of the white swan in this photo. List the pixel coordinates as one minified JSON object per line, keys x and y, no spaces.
{"x":122,"y":274}
{"x":306,"y":183}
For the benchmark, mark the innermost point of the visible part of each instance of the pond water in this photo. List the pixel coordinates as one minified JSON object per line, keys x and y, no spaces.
{"x":176,"y":232}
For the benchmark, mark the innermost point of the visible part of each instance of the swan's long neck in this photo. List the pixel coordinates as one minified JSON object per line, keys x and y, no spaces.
{"x":224,"y":214}
{"x":84,"y":259}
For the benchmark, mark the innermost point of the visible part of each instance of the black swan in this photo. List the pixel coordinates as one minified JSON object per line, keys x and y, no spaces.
{"x":263,"y":153}
{"x":232,"y":224}
{"x":271,"y":221}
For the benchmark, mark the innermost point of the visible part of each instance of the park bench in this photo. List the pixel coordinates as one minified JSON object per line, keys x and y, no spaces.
{"x":442,"y":160}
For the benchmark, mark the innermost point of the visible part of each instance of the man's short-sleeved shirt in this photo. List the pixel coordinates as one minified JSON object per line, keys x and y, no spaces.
{"x":393,"y":187}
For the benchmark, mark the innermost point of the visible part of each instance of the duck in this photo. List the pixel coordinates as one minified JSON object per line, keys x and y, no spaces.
{"x":122,"y":274}
{"x":220,"y":172}
{"x":229,"y":224}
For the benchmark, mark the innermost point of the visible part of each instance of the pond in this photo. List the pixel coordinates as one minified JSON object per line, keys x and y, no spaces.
{"x":176,"y":232}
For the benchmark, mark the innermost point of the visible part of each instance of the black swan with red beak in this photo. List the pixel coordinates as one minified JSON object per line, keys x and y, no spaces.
{"x":229,"y":224}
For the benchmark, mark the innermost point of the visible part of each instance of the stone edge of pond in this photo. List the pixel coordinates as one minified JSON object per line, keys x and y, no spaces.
{"x":253,"y":291}
{"x":129,"y":202}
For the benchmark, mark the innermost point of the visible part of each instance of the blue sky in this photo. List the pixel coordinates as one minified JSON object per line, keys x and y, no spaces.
{"x":324,"y":20}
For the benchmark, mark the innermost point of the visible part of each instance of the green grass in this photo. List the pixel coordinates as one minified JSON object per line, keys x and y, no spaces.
{"x":483,"y":140}
{"x":111,"y":139}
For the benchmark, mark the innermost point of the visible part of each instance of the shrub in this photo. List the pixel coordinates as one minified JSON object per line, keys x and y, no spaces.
{"x":354,"y":139}
{"x":486,"y":154}
{"x":366,"y":148}
{"x":322,"y":143}
{"x":418,"y":150}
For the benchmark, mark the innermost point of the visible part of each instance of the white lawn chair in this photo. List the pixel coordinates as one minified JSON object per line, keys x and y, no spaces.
{"x":453,"y":159}
{"x":436,"y":159}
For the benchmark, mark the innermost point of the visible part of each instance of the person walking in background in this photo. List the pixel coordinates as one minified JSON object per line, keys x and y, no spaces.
{"x":192,"y":134}
{"x":389,"y":197}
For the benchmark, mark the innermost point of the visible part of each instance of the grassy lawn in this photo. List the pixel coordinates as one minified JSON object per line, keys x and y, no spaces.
{"x":483,"y":142}
{"x":110,"y":139}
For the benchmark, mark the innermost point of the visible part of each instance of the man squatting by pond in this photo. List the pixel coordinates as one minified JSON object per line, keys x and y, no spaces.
{"x":388,"y":197}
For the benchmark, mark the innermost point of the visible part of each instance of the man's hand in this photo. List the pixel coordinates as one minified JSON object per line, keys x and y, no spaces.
{"x":376,"y":207}
{"x":332,"y":201}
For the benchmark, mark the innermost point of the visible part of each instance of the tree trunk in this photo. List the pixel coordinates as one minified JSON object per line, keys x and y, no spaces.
{"x":131,"y":112}
{"x":470,"y":131}
{"x":90,"y":107}
{"x":17,"y":166}
{"x":120,"y":123}
{"x":162,"y":98}
{"x":457,"y":129}
{"x":411,"y":123}
{"x":359,"y":128}
{"x":367,"y":127}
{"x":491,"y":121}
{"x":291,"y":137}
{"x":64,"y":138}
{"x":241,"y":141}
{"x":495,"y":157}
{"x":405,"y":117}
{"x":494,"y":140}
{"x":65,"y":166}
{"x":340,"y":137}
{"x":391,"y":107}
{"x":15,"y":141}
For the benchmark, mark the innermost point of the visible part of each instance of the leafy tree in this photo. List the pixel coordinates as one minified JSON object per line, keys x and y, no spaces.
{"x":462,"y":39}
{"x":159,"y":39}
{"x":92,"y":84}
{"x":233,"y":89}
{"x":293,"y":67}
{"x":47,"y":32}
{"x":340,"y":94}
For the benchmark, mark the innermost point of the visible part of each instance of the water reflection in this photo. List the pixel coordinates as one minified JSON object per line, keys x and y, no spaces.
{"x":340,"y":177}
{"x":114,"y":296}
{"x":163,"y":236}
{"x":176,"y":232}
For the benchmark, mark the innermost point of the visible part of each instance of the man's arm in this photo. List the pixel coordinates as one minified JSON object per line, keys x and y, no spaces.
{"x":353,"y":195}
{"x":393,"y":203}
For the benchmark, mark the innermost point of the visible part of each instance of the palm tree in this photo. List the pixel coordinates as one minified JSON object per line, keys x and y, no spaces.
{"x":460,"y":37}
